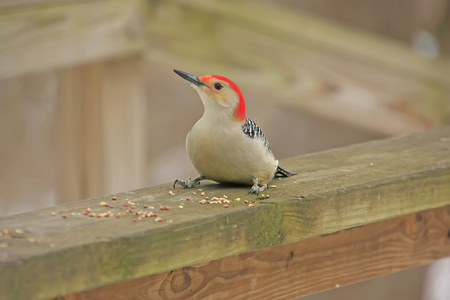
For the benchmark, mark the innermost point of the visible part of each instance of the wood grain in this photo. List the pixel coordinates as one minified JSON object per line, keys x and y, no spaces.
{"x":333,"y":191}
{"x":299,"y":269}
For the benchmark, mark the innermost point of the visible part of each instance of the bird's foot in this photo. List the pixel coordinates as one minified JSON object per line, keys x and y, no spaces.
{"x":189,"y":183}
{"x":256,"y":189}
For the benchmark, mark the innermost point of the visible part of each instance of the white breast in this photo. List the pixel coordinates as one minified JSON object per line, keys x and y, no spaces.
{"x":224,"y":153}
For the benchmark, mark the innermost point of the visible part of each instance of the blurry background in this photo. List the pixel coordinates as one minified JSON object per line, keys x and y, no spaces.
{"x":89,"y":104}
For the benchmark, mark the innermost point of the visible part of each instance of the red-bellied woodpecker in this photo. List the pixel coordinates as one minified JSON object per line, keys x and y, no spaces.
{"x":225,"y":145}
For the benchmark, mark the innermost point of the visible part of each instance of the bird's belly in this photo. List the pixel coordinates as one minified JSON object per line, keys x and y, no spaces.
{"x":233,"y":162}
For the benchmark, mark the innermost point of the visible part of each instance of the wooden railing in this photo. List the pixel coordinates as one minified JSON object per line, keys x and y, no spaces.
{"x":350,"y":214}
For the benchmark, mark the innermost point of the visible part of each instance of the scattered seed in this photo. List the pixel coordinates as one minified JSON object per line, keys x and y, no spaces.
{"x":135,"y":220}
{"x":245,"y":201}
{"x":19,"y":231}
{"x":225,"y":205}
{"x":194,"y":193}
{"x":118,"y":215}
{"x":53,"y":213}
{"x":31,"y":240}
{"x":166,"y":208}
{"x":161,"y":207}
{"x":180,"y":206}
{"x":133,"y":207}
{"x":145,"y":205}
{"x":203,"y":193}
{"x":251,"y":205}
{"x":158,"y":219}
{"x":200,"y":190}
{"x":152,"y":214}
{"x":103,"y":203}
{"x":238,"y":199}
{"x":202,"y":201}
{"x":64,"y":216}
{"x":52,"y":245}
{"x":4,"y":245}
{"x":92,"y":215}
{"x":272,"y":186}
{"x":188,"y":198}
{"x":171,"y":193}
{"x":125,"y":204}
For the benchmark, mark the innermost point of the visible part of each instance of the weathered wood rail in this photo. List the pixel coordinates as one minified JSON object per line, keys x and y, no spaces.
{"x":350,"y":214}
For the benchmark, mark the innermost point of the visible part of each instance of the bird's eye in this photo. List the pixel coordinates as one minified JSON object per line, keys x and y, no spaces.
{"x":218,"y":86}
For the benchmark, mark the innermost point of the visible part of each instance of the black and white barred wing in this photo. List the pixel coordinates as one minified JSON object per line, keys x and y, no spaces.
{"x":251,"y":129}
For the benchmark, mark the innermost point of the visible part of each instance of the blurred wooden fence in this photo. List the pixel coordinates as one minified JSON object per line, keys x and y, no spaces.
{"x":78,"y":119}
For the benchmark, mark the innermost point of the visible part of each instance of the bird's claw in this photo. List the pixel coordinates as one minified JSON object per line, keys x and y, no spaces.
{"x":256,"y":189}
{"x":189,"y":183}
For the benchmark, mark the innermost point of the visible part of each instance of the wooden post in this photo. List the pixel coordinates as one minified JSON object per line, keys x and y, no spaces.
{"x":72,"y":100}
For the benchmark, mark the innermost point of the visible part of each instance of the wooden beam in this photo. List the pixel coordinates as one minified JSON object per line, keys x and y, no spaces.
{"x":59,"y":251}
{"x":40,"y":35}
{"x":322,"y":67}
{"x":302,"y":268}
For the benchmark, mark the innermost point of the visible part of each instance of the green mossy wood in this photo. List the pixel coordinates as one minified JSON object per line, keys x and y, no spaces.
{"x":44,"y":254}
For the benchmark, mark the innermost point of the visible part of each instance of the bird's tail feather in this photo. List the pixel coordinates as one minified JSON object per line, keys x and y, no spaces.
{"x":283,"y":173}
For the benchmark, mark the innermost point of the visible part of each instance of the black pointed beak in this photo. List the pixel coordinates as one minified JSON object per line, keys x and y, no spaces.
{"x":189,"y":77}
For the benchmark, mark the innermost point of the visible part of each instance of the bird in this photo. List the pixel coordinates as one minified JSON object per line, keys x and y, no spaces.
{"x":225,"y":145}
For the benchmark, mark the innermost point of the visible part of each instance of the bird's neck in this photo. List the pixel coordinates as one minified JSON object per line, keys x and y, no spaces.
{"x":220,"y":117}
{"x":217,"y":114}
